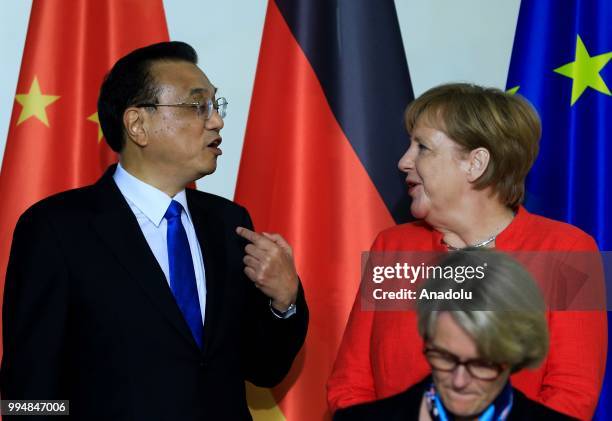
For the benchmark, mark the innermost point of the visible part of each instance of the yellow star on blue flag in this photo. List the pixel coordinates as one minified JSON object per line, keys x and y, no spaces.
{"x":561,"y":61}
{"x":584,"y":71}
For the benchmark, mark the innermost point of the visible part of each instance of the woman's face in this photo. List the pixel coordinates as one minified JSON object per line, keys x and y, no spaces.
{"x":436,"y":172}
{"x":461,"y":393}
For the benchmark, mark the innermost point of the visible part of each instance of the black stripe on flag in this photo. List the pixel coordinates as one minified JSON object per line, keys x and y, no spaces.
{"x":355,"y":48}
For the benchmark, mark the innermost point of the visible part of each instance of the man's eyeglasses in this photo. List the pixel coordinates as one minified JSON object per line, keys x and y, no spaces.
{"x":204,"y":109}
{"x":480,"y":369}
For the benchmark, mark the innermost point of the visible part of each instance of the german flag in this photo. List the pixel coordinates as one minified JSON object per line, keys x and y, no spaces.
{"x":324,"y":134}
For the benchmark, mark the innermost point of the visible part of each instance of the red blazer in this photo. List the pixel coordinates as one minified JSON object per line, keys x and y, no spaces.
{"x":381,"y":352}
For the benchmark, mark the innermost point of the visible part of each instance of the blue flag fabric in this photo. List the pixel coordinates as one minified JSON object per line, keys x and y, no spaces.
{"x":561,"y":62}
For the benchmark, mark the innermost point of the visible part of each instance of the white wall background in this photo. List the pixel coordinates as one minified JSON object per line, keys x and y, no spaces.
{"x":445,"y":40}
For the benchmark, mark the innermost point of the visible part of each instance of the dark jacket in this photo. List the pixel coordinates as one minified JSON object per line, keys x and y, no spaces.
{"x":406,"y":405}
{"x":88,"y":315}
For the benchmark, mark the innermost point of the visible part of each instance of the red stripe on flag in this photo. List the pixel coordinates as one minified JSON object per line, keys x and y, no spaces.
{"x":299,"y":176}
{"x":53,"y":142}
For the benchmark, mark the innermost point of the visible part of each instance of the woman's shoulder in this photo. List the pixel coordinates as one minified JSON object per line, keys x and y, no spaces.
{"x":412,"y":236}
{"x":552,"y":226}
{"x":525,"y":409}
{"x":541,"y":233}
{"x":403,"y":406}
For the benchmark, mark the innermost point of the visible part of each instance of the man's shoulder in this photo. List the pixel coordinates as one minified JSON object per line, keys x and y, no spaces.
{"x":67,"y":211}
{"x":212,"y":200}
{"x":214,"y":203}
{"x":68,"y":201}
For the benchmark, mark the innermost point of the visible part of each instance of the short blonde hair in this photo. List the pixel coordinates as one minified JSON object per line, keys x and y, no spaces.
{"x":474,"y":116}
{"x":505,"y":316}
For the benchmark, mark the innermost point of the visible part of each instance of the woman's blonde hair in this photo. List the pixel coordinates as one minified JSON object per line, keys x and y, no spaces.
{"x":474,"y":116}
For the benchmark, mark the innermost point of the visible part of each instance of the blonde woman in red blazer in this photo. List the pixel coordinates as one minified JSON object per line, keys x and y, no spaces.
{"x":470,"y":151}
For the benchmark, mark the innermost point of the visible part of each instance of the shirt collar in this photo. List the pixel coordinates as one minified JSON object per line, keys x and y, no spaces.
{"x":152,"y":202}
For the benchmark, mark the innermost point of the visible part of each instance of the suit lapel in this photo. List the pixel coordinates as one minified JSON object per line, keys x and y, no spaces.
{"x":211,"y":233}
{"x":118,"y":228}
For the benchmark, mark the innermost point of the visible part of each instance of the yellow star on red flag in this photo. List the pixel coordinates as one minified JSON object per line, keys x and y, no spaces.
{"x":34,"y":104}
{"x":94,"y":118}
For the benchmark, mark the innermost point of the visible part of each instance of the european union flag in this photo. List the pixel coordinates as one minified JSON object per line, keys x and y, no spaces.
{"x":561,"y":62}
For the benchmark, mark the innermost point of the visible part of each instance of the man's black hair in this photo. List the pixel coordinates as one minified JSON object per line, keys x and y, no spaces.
{"x":130,"y":82}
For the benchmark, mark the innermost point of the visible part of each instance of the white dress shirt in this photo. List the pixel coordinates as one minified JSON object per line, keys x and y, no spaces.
{"x":149,"y":206}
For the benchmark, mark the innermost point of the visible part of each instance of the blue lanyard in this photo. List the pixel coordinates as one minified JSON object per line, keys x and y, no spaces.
{"x":497,"y":411}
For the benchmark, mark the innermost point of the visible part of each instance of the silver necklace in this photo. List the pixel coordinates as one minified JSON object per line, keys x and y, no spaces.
{"x":481,"y":244}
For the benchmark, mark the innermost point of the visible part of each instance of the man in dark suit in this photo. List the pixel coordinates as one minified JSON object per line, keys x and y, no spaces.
{"x":137,"y":298}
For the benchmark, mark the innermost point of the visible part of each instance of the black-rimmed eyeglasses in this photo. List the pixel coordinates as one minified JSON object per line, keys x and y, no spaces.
{"x":204,"y":109}
{"x":444,"y":361}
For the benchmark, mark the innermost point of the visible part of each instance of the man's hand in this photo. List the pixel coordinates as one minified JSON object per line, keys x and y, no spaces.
{"x":269,"y":264}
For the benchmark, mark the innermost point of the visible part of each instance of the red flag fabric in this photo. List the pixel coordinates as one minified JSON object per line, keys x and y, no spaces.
{"x":55,"y":141}
{"x":300,"y":177}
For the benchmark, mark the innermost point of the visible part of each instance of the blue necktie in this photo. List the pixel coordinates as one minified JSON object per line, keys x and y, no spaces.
{"x":182,"y":274}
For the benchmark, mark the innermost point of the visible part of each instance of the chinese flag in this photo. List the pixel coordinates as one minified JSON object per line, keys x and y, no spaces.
{"x":54,"y":140}
{"x":324,"y":134}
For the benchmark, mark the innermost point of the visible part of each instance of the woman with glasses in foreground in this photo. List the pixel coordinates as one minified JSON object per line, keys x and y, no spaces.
{"x":472,"y":347}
